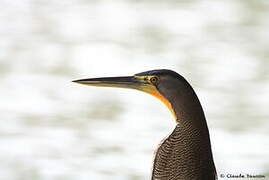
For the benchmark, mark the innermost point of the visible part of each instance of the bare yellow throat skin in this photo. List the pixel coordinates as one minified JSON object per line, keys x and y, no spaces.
{"x":152,"y":90}
{"x":164,"y":100}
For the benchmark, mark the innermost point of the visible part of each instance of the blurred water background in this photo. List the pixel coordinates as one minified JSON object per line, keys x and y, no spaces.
{"x":52,"y":129}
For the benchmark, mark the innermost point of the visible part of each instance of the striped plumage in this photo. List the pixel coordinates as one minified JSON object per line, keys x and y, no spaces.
{"x":177,"y":157}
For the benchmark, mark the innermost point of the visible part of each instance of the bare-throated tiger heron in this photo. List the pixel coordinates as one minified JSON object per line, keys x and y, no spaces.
{"x":186,"y":153}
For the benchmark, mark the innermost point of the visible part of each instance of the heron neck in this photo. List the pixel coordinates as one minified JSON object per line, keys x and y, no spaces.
{"x":188,"y":109}
{"x":192,"y":126}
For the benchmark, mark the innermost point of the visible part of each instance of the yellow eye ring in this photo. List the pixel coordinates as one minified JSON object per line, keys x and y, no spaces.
{"x":154,"y":80}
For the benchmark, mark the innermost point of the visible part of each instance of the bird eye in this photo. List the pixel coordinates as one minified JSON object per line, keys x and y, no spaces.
{"x":154,"y":80}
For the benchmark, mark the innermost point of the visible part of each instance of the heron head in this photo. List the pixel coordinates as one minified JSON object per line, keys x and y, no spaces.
{"x":160,"y":83}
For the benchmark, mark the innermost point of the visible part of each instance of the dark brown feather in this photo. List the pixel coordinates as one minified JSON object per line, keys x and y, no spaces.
{"x":184,"y":155}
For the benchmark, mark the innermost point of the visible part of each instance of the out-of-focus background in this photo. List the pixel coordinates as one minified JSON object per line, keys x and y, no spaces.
{"x":52,"y":129}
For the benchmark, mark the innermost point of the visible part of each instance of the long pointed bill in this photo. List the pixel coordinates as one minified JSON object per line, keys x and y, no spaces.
{"x":120,"y":82}
{"x":131,"y":82}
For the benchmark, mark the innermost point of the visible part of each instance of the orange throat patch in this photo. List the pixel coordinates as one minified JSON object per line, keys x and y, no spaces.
{"x":164,"y":100}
